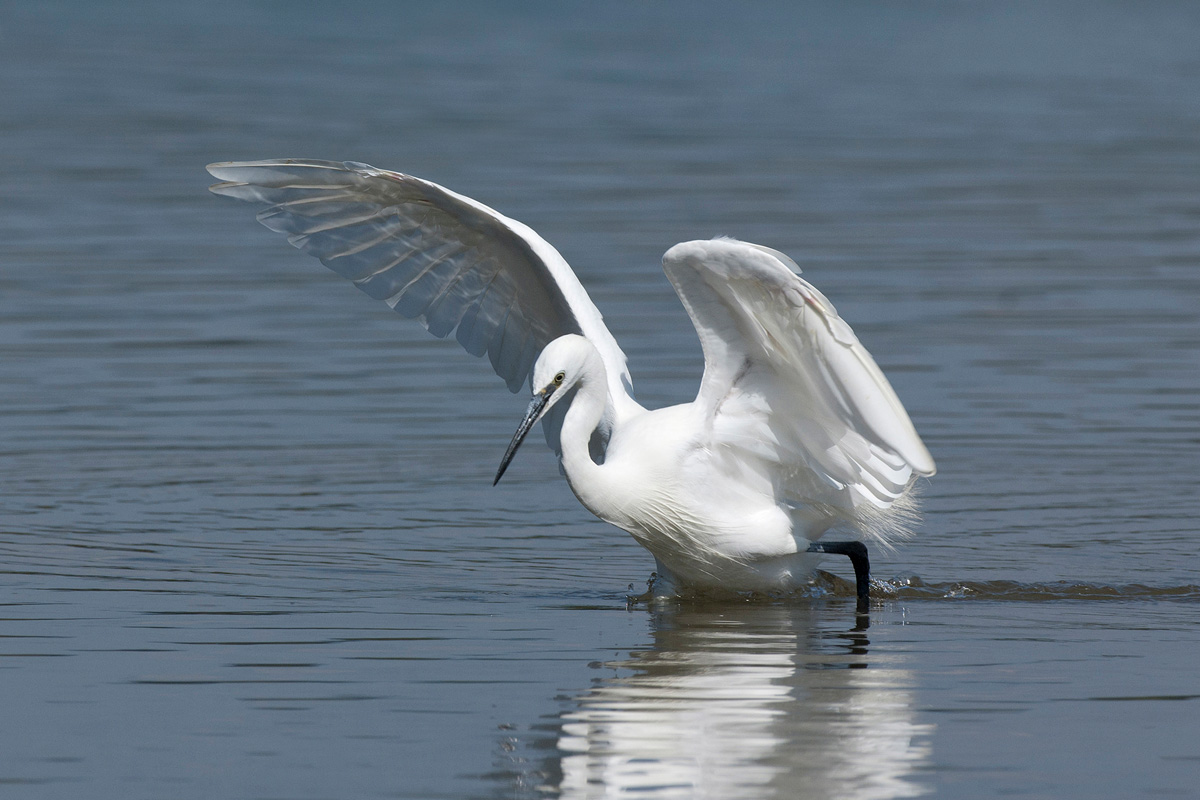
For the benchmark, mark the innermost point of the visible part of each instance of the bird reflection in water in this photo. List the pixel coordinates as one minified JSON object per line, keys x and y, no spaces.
{"x":739,"y":702}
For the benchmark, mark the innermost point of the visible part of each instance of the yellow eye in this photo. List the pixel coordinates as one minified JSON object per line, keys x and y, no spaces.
{"x":559,"y":378}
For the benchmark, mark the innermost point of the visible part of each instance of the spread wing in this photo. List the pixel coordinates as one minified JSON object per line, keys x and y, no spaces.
{"x":788,"y":390}
{"x":446,"y":260}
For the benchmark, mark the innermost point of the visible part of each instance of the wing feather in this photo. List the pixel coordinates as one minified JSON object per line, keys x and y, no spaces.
{"x":446,"y":260}
{"x":788,"y":389}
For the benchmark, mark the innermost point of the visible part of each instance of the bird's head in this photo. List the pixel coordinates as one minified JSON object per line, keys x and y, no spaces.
{"x":559,"y":367}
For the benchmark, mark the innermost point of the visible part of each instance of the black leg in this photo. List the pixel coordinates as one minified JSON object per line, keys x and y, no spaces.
{"x":857,"y":551}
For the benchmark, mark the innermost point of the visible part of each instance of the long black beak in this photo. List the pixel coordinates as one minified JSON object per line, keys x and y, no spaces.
{"x":532,"y":415}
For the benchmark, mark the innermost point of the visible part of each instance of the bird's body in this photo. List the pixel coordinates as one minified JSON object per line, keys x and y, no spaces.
{"x":657,"y":483}
{"x":794,"y":432}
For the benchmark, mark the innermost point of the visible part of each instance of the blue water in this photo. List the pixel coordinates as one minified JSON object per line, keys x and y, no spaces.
{"x":249,"y":546}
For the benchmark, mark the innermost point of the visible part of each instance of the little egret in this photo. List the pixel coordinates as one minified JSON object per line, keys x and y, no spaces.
{"x":795,"y":431}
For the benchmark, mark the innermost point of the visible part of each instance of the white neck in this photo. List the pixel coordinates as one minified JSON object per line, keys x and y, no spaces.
{"x":587,"y":409}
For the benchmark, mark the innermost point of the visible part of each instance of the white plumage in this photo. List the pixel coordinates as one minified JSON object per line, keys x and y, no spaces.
{"x":794,"y":432}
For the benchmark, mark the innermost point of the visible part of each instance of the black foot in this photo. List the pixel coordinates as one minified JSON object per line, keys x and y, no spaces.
{"x":857,"y":551}
{"x":632,"y":600}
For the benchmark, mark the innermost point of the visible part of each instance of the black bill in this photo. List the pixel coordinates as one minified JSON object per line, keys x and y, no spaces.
{"x":532,"y":414}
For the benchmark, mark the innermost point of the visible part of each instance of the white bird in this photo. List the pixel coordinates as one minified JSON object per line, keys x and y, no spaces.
{"x":794,"y":433}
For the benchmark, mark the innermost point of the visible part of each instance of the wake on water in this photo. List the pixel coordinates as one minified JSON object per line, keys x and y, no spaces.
{"x":826,"y":584}
{"x":913,"y":588}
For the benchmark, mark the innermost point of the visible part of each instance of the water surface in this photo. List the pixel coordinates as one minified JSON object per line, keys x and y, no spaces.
{"x":248,"y":542}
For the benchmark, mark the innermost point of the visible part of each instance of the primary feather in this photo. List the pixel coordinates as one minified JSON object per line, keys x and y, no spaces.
{"x":450,"y":262}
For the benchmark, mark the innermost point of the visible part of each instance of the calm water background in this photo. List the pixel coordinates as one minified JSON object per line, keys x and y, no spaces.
{"x":248,"y":542}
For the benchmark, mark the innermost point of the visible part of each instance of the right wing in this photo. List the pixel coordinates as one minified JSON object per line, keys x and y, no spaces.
{"x":788,"y":391}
